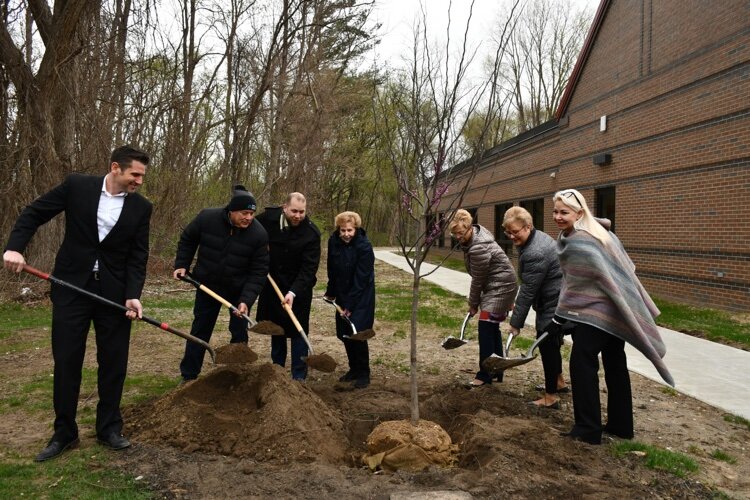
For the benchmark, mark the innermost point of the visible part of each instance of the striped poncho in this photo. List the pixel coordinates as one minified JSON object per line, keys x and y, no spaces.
{"x":600,"y":289}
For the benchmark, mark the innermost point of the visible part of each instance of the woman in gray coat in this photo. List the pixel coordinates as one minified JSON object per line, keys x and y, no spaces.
{"x":493,"y":286}
{"x":541,"y":279}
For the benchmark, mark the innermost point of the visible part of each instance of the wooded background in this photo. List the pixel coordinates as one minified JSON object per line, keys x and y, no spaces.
{"x":272,"y":94}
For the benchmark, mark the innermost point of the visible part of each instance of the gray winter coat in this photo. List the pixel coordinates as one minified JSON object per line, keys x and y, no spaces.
{"x":493,"y":279}
{"x":541,"y":279}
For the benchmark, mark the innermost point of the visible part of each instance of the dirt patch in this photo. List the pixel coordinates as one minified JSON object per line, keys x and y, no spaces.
{"x":235,"y":354}
{"x":246,"y":411}
{"x":248,"y":431}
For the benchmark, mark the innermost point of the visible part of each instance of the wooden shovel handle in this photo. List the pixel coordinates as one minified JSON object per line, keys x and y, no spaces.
{"x":285,"y":305}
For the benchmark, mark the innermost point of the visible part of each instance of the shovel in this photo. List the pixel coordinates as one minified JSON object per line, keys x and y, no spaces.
{"x":322,"y":362}
{"x":361,"y":336}
{"x":453,"y":342}
{"x":264,"y":327}
{"x":164,"y":326}
{"x":495,"y":364}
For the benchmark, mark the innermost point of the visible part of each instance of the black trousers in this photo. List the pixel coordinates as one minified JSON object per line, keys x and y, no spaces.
{"x":70,"y":328}
{"x":588,"y":342}
{"x":549,"y":348}
{"x":357,"y":351}
{"x":490,"y":342}
{"x":205,"y":312}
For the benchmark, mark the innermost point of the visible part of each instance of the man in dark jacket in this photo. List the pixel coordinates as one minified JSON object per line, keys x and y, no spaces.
{"x":104,"y":251}
{"x":295,"y":254}
{"x":232,"y":261}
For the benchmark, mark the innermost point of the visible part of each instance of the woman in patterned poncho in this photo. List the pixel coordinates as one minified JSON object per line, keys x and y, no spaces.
{"x":604,"y":299}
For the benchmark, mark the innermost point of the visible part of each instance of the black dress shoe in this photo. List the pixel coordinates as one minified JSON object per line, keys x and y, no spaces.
{"x":361,"y":383}
{"x":346,"y":377}
{"x":113,"y":441}
{"x":578,"y":437}
{"x":55,"y":448}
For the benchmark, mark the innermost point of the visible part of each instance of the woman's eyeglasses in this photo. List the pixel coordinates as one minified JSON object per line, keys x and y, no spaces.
{"x":513,"y":234}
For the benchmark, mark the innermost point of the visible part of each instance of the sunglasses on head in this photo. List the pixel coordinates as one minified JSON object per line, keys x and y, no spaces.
{"x":568,"y":194}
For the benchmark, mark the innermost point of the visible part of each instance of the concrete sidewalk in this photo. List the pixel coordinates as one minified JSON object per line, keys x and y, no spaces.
{"x":713,"y":373}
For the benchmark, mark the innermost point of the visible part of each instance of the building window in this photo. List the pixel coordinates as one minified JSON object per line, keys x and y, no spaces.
{"x":605,"y":204}
{"x":536,"y":209}
{"x":500,"y":237}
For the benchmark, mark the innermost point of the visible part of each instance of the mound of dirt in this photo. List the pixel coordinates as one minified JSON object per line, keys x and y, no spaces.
{"x":399,"y":445}
{"x":235,"y":354}
{"x":252,"y":411}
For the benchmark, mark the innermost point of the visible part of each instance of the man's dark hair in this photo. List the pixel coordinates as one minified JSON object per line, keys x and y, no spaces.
{"x":124,"y":156}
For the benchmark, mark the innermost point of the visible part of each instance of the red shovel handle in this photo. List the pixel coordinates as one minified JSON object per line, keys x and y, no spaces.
{"x":36,"y":272}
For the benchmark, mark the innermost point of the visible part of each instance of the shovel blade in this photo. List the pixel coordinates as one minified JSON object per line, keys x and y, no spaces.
{"x":452,"y":343}
{"x":362,"y":336}
{"x":321,"y":362}
{"x":496,"y":364}
{"x":266,"y":328}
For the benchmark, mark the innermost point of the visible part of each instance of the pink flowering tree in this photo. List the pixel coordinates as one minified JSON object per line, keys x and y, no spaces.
{"x":421,"y":120}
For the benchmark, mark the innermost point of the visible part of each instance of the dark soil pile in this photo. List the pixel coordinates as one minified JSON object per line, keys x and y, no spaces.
{"x":252,"y":411}
{"x":235,"y":354}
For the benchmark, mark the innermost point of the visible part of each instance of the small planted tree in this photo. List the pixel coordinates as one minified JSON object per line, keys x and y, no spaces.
{"x":422,"y":117}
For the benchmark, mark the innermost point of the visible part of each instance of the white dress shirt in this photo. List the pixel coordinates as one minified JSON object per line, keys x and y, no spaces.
{"x":108,"y":212}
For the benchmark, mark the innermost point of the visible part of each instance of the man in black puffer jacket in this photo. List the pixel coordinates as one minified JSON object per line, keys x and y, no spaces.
{"x":232,"y":261}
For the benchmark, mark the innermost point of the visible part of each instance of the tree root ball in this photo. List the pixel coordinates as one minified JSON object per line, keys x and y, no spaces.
{"x":399,"y":445}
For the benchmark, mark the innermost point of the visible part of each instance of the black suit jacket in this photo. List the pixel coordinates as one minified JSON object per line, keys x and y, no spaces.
{"x":122,"y":255}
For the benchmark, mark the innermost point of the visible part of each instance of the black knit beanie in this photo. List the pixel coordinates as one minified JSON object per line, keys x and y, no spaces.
{"x":242,"y":199}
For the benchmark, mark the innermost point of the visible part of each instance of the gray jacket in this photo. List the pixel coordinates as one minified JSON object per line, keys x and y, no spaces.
{"x":493,"y":279}
{"x":541,"y":279}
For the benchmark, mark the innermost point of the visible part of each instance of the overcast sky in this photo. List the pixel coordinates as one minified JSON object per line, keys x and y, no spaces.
{"x":397,"y":19}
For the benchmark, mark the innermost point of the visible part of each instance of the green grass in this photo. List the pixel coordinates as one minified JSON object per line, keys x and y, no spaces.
{"x":658,"y":458}
{"x":669,"y":391}
{"x":78,"y":474}
{"x":720,"y":455}
{"x":15,"y":317}
{"x":437,"y":306}
{"x":736,"y":419}
{"x":713,"y":324}
{"x":139,"y":388}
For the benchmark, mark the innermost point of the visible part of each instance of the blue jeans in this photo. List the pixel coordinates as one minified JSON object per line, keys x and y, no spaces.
{"x":299,"y":349}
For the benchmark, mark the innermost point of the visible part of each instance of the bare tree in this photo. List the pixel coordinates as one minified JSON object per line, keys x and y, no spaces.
{"x":540,"y":56}
{"x":422,"y":118}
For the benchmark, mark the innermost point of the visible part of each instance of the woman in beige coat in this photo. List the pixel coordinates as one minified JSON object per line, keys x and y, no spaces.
{"x":493,"y":286}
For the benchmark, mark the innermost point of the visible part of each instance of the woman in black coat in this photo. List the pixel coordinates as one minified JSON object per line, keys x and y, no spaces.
{"x":351,"y":282}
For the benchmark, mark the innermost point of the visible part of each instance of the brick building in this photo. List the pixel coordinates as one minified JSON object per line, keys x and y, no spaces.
{"x":654,"y":130}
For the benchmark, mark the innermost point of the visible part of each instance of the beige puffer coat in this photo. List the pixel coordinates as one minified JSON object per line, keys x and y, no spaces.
{"x":493,"y":279}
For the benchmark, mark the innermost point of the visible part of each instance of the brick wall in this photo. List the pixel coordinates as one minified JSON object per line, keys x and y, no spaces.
{"x":673,"y":79}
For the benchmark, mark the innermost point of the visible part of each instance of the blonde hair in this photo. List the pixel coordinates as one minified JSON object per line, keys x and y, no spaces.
{"x":517,"y":214}
{"x":575,"y":201}
{"x":460,"y":218}
{"x":348,"y":218}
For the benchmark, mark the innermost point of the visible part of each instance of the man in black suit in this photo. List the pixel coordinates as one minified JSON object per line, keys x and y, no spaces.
{"x":294,"y":242}
{"x":105,"y":250}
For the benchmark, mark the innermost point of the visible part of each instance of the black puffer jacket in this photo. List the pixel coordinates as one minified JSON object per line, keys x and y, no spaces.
{"x":228,"y":257}
{"x":541,"y":279}
{"x":351,"y":277}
